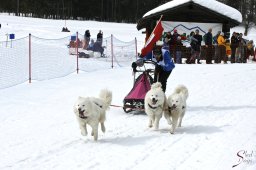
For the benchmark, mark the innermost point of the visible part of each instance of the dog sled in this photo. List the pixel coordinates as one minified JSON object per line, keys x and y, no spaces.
{"x":143,"y":78}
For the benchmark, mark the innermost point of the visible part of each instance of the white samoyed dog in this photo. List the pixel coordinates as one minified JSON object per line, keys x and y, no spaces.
{"x":154,"y":104}
{"x":176,"y":107}
{"x":92,"y":111}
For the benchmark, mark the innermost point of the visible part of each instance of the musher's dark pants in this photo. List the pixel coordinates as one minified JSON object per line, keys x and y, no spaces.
{"x":162,"y":77}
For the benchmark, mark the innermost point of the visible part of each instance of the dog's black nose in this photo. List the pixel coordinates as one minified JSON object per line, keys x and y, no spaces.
{"x":79,"y":109}
{"x":153,"y":99}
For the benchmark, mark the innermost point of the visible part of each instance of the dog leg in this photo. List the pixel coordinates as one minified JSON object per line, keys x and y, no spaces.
{"x":95,"y":131}
{"x":150,"y":123}
{"x":180,"y":121}
{"x":156,"y":123}
{"x":83,"y":129}
{"x":174,"y":124}
{"x":151,"y":120}
{"x":181,"y":117}
{"x":168,"y":118}
{"x":103,"y":129}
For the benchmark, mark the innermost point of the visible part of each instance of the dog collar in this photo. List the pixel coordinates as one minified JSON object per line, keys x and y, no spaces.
{"x":152,"y":106}
{"x":169,"y":109}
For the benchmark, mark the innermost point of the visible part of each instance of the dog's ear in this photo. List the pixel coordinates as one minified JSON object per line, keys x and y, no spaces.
{"x":80,"y":98}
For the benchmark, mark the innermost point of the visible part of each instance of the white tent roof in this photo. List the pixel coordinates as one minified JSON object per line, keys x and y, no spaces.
{"x":213,"y":5}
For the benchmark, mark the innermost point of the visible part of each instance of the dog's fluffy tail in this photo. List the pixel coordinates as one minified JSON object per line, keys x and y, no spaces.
{"x":156,"y":85}
{"x":106,"y":96}
{"x":182,"y":89}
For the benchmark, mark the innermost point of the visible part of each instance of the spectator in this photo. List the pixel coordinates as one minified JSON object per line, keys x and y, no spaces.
{"x":209,"y":47}
{"x":87,"y":37}
{"x":241,"y":49}
{"x":222,"y":48}
{"x":91,"y":45}
{"x":100,"y":37}
{"x":65,"y":29}
{"x":167,"y":39}
{"x":233,"y":46}
{"x":178,"y":50}
{"x":198,"y":45}
{"x":173,"y":43}
{"x":254,"y":59}
{"x":250,"y":49}
{"x":216,"y":50}
{"x":194,"y":51}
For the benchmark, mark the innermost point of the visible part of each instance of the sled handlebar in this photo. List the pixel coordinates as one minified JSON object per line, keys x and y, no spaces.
{"x":150,"y":62}
{"x":140,"y":63}
{"x":150,"y":70}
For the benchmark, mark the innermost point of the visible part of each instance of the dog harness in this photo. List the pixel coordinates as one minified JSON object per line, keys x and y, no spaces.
{"x":170,"y":108}
{"x":98,"y":104}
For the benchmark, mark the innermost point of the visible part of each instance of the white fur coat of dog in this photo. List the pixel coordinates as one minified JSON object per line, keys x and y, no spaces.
{"x":92,"y":111}
{"x":176,"y":107}
{"x":154,"y":104}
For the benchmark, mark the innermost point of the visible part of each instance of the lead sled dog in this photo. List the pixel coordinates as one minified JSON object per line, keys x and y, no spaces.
{"x":154,"y":104}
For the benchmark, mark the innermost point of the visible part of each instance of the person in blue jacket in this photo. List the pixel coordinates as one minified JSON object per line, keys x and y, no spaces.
{"x":164,"y":64}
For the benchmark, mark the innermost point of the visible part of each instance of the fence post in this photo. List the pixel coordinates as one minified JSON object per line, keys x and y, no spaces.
{"x":136,"y":48}
{"x":112,"y":52}
{"x":77,"y":68}
{"x":29,"y":60}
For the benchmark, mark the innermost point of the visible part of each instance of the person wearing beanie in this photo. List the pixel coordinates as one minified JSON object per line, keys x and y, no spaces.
{"x":173,"y":43}
{"x":222,"y":48}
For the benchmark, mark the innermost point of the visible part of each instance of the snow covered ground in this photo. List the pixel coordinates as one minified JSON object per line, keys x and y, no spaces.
{"x":38,"y":129}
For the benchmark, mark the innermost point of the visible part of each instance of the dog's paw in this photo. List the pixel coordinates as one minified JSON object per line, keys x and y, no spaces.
{"x":169,"y":122}
{"x":103,"y":129}
{"x":83,"y":133}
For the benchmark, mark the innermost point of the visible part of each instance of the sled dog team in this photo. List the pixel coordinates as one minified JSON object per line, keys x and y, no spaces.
{"x":92,"y":110}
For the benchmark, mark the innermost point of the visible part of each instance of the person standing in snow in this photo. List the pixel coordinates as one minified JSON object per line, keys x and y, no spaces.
{"x":87,"y":37}
{"x":195,"y":43}
{"x":233,"y":46}
{"x":199,"y":39}
{"x":100,"y":37}
{"x":173,"y":43}
{"x":209,"y":47}
{"x":179,"y":46}
{"x":216,"y":50}
{"x":222,"y":48}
